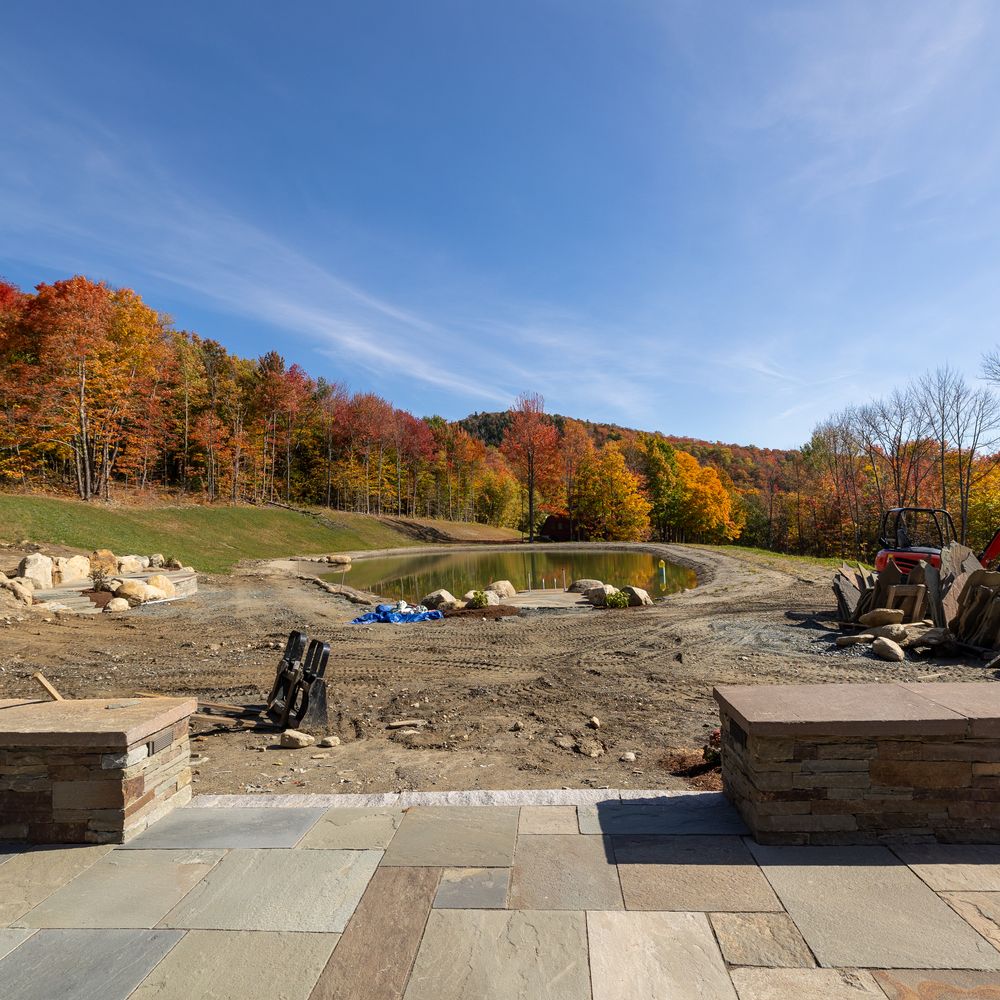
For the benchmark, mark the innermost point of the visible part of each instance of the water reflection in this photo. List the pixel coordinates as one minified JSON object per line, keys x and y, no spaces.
{"x":411,"y":576}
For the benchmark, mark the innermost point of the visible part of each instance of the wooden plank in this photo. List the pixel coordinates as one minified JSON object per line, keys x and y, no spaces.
{"x":909,"y":598}
{"x":889,"y":577}
{"x":52,"y":692}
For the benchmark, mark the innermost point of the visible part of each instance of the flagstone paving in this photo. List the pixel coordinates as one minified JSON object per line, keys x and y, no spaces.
{"x":276,"y":890}
{"x":188,"y":828}
{"x":455,"y":837}
{"x":691,"y":873}
{"x":125,"y":889}
{"x":861,"y":906}
{"x":354,"y":829}
{"x":237,"y":965}
{"x":562,"y":872}
{"x":564,"y":896}
{"x":473,"y":889}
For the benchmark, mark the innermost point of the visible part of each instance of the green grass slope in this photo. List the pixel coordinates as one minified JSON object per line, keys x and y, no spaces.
{"x":212,"y":539}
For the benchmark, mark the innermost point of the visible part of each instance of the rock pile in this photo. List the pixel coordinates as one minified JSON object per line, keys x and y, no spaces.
{"x":128,"y":578}
{"x":496,"y":593}
{"x":946,"y":608}
{"x":597,"y":593}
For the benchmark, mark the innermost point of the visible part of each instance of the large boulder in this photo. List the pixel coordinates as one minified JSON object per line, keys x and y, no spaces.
{"x":882,"y":616}
{"x":23,"y":590}
{"x":75,"y":569}
{"x":156,"y":560}
{"x":160,"y":582}
{"x":898,"y":633}
{"x":637,"y":597}
{"x":339,"y":560}
{"x":130,"y":565}
{"x":436,"y":598}
{"x":598,"y":596}
{"x":116,"y":605}
{"x":38,"y":569}
{"x":504,"y":588}
{"x":134,"y":591}
{"x":582,"y":586}
{"x":103,"y":561}
{"x":886,"y":649}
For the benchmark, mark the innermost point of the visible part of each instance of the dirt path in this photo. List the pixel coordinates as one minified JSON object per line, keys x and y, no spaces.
{"x":507,"y":702}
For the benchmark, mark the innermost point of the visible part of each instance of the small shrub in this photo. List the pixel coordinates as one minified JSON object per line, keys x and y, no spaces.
{"x":618,"y":600}
{"x":100,"y":578}
{"x":479,"y":599}
{"x":712,"y":751}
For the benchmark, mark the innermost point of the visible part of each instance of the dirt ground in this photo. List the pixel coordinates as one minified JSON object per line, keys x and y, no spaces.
{"x":507,"y":703}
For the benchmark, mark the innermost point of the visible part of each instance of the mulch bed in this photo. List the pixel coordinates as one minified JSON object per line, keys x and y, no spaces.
{"x":99,"y":597}
{"x":492,"y":613}
{"x":690,"y":765}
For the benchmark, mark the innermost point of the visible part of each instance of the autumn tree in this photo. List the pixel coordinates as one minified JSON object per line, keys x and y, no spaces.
{"x":530,"y":445}
{"x":610,"y":501}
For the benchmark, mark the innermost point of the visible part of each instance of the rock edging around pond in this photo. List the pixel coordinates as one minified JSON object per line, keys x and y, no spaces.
{"x":102,"y":581}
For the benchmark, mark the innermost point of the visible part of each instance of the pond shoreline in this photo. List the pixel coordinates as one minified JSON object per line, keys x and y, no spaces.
{"x":704,"y":564}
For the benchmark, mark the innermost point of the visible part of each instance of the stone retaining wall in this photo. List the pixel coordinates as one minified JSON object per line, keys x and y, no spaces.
{"x":89,"y":771}
{"x":863,"y":764}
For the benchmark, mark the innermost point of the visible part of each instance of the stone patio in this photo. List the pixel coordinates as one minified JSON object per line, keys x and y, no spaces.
{"x":593,"y":895}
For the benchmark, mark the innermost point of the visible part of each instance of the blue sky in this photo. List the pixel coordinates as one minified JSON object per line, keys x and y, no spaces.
{"x":722,"y":220}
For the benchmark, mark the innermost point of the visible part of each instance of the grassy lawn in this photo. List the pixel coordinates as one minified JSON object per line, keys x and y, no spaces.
{"x":212,"y":539}
{"x":779,"y":558}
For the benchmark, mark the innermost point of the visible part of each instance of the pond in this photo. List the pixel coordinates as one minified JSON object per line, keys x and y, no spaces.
{"x":409,"y":577}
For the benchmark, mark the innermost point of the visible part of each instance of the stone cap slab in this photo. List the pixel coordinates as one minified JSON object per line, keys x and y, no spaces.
{"x":978,"y":701}
{"x":89,"y":723}
{"x":845,"y":709}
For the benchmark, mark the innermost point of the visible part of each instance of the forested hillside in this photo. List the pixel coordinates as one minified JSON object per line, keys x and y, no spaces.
{"x":101,"y":397}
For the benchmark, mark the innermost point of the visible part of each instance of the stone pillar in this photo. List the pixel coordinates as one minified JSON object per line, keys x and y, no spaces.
{"x":91,"y":771}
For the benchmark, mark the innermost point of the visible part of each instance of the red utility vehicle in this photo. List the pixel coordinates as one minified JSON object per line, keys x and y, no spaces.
{"x":911,"y":534}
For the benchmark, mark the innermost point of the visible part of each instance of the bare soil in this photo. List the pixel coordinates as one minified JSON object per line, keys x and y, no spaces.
{"x":507,"y":700}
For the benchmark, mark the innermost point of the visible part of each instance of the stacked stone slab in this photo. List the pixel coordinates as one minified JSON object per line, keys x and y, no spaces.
{"x":91,"y":771}
{"x":864,"y":763}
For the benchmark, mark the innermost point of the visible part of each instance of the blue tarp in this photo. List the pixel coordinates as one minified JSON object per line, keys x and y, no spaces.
{"x":386,"y":614}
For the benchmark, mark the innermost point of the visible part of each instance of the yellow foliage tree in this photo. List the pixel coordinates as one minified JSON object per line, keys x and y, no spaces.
{"x":609,"y":500}
{"x":707,"y":510}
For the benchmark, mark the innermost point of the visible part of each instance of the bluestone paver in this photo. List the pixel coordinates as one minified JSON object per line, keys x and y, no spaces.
{"x":691,"y":873}
{"x":238,"y":965}
{"x":11,"y":937}
{"x":82,"y":964}
{"x":954,"y":867}
{"x":682,"y":814}
{"x":806,"y":984}
{"x":354,"y":829}
{"x":862,"y":907}
{"x":564,"y":872}
{"x":912,"y":984}
{"x":656,"y":956}
{"x":473,"y":889}
{"x":124,"y":889}
{"x":769,"y":940}
{"x":497,"y":955}
{"x":376,"y":952}
{"x":455,"y":837}
{"x":548,"y":819}
{"x":29,"y":877}
{"x":275,"y":890}
{"x":980,"y":909}
{"x":192,"y":828}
